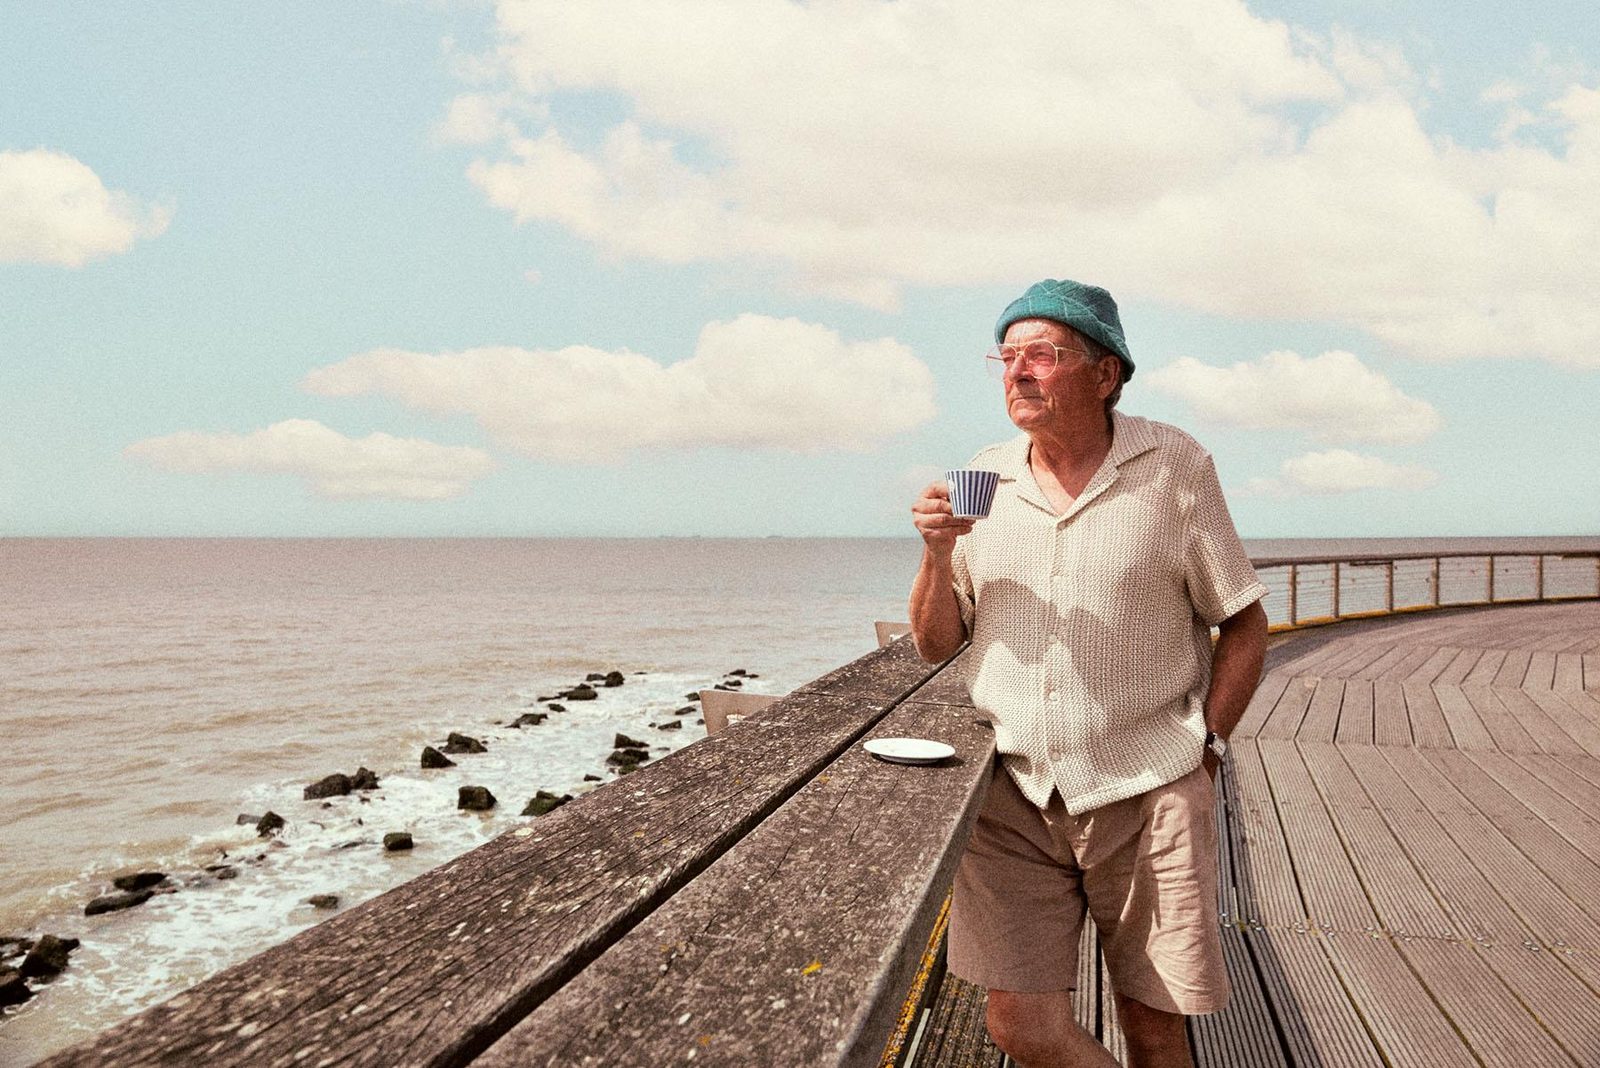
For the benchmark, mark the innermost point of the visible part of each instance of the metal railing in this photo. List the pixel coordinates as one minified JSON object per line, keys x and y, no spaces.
{"x":1311,"y":591}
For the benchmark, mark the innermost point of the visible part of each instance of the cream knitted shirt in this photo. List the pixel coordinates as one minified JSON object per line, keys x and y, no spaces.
{"x":1091,"y":641}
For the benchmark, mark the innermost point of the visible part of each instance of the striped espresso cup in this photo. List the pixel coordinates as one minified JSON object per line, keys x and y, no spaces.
{"x":971,"y":491}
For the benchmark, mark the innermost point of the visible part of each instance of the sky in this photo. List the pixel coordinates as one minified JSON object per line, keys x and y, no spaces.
{"x":524,"y":268}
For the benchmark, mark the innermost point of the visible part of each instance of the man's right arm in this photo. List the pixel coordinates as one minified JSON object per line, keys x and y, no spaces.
{"x":936,"y":624}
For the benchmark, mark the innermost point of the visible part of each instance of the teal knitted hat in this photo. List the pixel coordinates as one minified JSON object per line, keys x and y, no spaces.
{"x":1087,"y":309}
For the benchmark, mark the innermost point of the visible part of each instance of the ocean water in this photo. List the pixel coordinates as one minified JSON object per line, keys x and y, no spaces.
{"x":152,"y":690}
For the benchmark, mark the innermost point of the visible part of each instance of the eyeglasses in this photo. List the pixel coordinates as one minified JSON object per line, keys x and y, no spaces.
{"x":1036,"y":359}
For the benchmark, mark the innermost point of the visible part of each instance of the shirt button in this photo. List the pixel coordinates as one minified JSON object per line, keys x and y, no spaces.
{"x":1055,"y":752}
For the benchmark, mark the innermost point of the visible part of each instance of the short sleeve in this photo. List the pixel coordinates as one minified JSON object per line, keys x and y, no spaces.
{"x":1219,"y":576}
{"x":961,"y":583}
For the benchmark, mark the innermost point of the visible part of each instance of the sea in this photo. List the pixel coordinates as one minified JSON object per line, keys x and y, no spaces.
{"x":157,"y":696}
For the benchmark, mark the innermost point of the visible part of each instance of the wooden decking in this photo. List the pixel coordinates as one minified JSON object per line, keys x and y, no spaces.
{"x":1410,"y":858}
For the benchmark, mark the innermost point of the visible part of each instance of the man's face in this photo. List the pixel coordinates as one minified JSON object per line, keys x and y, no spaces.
{"x":1073,"y":397}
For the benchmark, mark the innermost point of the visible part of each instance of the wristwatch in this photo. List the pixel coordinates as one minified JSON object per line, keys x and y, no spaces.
{"x":1217,"y":744}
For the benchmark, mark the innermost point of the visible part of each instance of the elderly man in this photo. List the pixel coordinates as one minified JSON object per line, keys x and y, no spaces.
{"x":1088,"y":595}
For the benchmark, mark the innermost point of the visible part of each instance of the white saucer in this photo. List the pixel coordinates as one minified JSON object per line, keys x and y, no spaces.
{"x":908,"y":750}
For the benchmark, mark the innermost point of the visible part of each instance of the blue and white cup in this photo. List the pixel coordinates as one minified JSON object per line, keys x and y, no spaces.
{"x":971,"y":491}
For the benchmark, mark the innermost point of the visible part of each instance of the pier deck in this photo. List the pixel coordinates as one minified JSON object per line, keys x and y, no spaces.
{"x":1410,"y":853}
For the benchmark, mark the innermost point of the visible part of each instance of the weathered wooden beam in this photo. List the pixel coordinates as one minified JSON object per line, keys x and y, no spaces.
{"x":798,"y":945}
{"x":433,"y":971}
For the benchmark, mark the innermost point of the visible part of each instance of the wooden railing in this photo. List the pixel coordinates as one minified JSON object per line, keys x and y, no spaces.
{"x":1314,"y":590}
{"x":765,"y":896}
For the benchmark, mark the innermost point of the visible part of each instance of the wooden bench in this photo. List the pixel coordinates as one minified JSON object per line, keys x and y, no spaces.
{"x":764,"y":896}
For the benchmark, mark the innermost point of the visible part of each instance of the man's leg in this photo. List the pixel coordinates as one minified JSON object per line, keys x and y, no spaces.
{"x":1040,"y":1030}
{"x":1156,"y":1039}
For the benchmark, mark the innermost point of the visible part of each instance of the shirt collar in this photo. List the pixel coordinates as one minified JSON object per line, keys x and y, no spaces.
{"x":1131,"y":436}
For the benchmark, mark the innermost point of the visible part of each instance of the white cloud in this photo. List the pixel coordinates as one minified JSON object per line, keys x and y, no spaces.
{"x":1333,"y":397}
{"x":331,"y":464}
{"x":54,"y":209}
{"x":754,"y":382}
{"x":1189,"y":153}
{"x":1339,"y":471}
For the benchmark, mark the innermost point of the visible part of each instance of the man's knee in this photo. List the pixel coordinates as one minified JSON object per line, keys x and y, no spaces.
{"x":1160,"y":1037}
{"x":1032,"y":1028}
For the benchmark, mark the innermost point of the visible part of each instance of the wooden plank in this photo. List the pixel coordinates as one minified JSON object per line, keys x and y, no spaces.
{"x":1541,"y":672}
{"x":1575,"y":722}
{"x":1267,"y":890}
{"x":509,"y":922}
{"x":1545,"y":732}
{"x":1476,"y":909}
{"x":1356,"y":713}
{"x":1551,"y":987}
{"x":957,"y":1032}
{"x":1481,"y":1008}
{"x":1390,"y":723}
{"x":1290,"y":709}
{"x":1318,"y":1022}
{"x":1508,"y":733}
{"x":1261,"y":704}
{"x":1321,"y":720}
{"x":1398,"y":1010}
{"x":1548,"y":805}
{"x":1242,"y":1035}
{"x":797,"y":945}
{"x":1333,"y":895}
{"x":1543,"y":906}
{"x":1395,"y":891}
{"x":1513,"y":669}
{"x":1466,"y":729}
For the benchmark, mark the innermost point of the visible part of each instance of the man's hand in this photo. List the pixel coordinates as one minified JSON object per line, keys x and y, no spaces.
{"x":932,"y":517}
{"x":936,"y":625}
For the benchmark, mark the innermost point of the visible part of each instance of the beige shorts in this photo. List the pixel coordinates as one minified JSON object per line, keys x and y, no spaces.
{"x":1145,"y":868}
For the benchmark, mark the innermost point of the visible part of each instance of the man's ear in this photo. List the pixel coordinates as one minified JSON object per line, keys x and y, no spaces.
{"x":1109,"y":369}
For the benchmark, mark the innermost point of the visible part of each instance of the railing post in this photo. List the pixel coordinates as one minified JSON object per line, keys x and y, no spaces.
{"x":1433,"y":580}
{"x":1336,"y":589}
{"x":1538,"y":576}
{"x":1388,"y":587}
{"x":1491,"y":578}
{"x":1294,"y":591}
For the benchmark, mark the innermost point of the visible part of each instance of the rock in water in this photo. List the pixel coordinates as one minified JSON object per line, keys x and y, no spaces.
{"x":395,"y":841}
{"x":117,"y":902}
{"x":364,"y":779}
{"x":269,"y":825}
{"x":244,"y":819}
{"x":141,"y":881}
{"x":335,"y":785}
{"x":592,"y":778}
{"x":614,"y":678}
{"x":669,"y":725}
{"x":529,"y":719}
{"x":628,"y":758}
{"x":13,"y":988}
{"x":475,"y":799}
{"x":432,"y":758}
{"x":48,"y":958}
{"x":581,"y":693}
{"x":323,"y":901}
{"x":622,"y":741}
{"x":460,"y":743}
{"x":544,"y":801}
{"x":555,"y":707}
